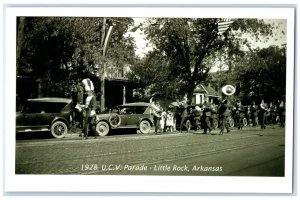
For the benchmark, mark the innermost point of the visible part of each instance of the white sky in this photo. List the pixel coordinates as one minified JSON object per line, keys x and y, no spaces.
{"x":139,"y":38}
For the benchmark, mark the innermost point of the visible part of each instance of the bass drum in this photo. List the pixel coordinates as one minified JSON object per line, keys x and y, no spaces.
{"x":114,"y":120}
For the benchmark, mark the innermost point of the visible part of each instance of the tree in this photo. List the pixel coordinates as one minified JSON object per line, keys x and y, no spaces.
{"x":262,"y":74}
{"x":153,"y":71}
{"x":188,"y":44}
{"x":60,"y":50}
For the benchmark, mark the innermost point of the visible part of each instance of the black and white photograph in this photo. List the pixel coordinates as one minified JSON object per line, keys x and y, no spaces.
{"x":125,"y":97}
{"x":202,"y":93}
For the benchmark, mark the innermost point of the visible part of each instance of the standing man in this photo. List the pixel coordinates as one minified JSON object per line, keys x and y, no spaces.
{"x":184,"y":115}
{"x":240,"y":114}
{"x":207,"y":114}
{"x":156,"y":112}
{"x":281,"y":111}
{"x":90,"y":107}
{"x":224,"y":115}
{"x":78,"y":102}
{"x":262,"y":114}
{"x":253,"y":109}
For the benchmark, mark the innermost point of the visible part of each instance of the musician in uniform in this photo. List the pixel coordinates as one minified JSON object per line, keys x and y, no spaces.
{"x":262,"y":114}
{"x":196,"y":114}
{"x":240,"y":114}
{"x":224,"y":115}
{"x":253,"y":110}
{"x":184,"y":115}
{"x":207,"y":114}
{"x":281,"y":113}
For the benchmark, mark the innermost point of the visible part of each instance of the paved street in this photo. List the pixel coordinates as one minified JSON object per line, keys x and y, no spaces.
{"x":250,"y":152}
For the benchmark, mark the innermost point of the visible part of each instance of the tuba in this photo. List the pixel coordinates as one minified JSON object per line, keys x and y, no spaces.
{"x":228,"y":90}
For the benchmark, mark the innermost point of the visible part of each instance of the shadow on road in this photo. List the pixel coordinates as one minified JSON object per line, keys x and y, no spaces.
{"x":33,"y":135}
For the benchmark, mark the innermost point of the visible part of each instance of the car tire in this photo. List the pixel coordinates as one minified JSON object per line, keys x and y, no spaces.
{"x":102,"y":128}
{"x":245,"y":123}
{"x":59,"y":129}
{"x":231,"y":122}
{"x":215,"y":123}
{"x":188,"y":125}
{"x":145,"y":127}
{"x":114,"y":120}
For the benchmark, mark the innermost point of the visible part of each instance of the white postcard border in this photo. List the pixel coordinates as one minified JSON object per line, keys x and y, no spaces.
{"x":73,"y":183}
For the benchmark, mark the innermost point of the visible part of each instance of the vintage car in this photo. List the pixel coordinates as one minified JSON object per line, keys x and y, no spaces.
{"x":45,"y":114}
{"x":132,"y":115}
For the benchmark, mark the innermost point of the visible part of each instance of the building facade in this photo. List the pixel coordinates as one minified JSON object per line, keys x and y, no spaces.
{"x":204,"y":94}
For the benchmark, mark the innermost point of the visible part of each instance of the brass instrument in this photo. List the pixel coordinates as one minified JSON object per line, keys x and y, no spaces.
{"x":228,"y":90}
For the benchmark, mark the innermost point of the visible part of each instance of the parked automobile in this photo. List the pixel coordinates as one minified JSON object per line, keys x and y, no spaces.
{"x":45,"y":114}
{"x":132,"y":115}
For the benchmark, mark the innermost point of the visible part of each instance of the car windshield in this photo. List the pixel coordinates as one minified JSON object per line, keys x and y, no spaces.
{"x":43,"y":107}
{"x":132,"y":109}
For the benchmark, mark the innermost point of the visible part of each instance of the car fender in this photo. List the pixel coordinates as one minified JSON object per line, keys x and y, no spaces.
{"x":104,"y":120}
{"x":147,"y":119}
{"x":61,"y":119}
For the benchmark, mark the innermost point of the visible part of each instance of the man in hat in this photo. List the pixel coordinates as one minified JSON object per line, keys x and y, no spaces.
{"x":224,"y":115}
{"x":90,"y":108}
{"x":207,"y":117}
{"x":262,"y":114}
{"x":239,"y":114}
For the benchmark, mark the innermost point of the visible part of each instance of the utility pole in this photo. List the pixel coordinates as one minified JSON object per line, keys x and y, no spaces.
{"x":104,"y":41}
{"x":102,"y":70}
{"x":103,"y":45}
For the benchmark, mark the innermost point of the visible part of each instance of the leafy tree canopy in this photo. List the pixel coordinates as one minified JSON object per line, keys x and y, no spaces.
{"x":64,"y":49}
{"x":188,"y":45}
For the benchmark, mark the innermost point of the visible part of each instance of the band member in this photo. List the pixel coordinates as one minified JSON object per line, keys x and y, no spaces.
{"x":196,"y":113}
{"x":207,"y":114}
{"x":262,"y":114}
{"x":184,"y":115}
{"x":224,"y":115}
{"x":281,"y":113}
{"x":253,"y":110}
{"x":239,"y":114}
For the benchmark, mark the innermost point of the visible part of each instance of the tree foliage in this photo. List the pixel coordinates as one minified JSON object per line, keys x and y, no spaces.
{"x":60,"y":50}
{"x":188,"y":45}
{"x":262,"y":74}
{"x":257,"y":74}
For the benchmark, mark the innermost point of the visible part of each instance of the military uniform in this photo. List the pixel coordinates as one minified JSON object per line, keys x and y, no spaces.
{"x":207,"y":114}
{"x":240,"y":114}
{"x":224,"y":115}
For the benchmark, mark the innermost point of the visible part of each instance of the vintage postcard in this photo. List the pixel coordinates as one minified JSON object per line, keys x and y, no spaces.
{"x":149,"y":99}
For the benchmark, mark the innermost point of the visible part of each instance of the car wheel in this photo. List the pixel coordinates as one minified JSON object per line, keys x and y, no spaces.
{"x":245,"y":122}
{"x":188,"y":125}
{"x":215,"y":123}
{"x":102,"y":128}
{"x":145,"y":127}
{"x":114,"y":120}
{"x":59,"y":129}
{"x":231,"y":122}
